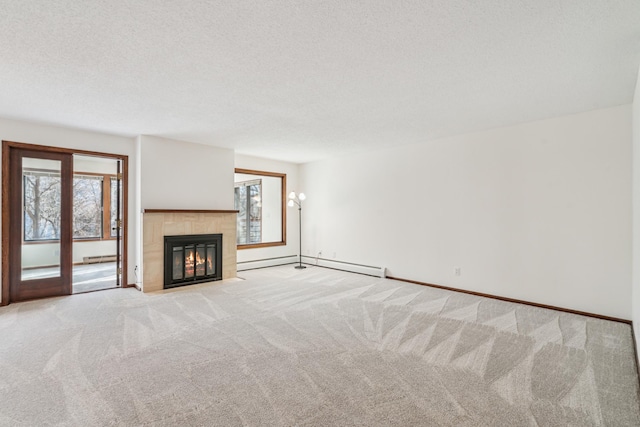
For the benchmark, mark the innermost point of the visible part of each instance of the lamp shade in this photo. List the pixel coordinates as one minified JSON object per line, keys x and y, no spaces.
{"x":290,"y":203}
{"x":292,"y":195}
{"x":301,"y":196}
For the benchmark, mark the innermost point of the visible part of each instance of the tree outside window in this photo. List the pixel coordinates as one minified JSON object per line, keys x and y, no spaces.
{"x":87,"y":207}
{"x":42,"y":195}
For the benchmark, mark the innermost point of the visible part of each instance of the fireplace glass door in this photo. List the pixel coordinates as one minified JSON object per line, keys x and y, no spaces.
{"x":192,"y":259}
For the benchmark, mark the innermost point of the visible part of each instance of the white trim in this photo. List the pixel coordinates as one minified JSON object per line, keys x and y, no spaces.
{"x":346,"y":266}
{"x":269,"y":262}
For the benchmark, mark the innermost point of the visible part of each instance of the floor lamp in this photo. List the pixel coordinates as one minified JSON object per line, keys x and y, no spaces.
{"x":297,"y":200}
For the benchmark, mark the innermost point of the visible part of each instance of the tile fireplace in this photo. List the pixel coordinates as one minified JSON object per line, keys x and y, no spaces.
{"x":159,"y":223}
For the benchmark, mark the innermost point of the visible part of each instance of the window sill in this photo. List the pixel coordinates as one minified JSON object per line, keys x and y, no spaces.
{"x":260,"y":245}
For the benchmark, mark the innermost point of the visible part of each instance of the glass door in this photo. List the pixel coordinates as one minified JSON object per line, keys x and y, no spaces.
{"x":96,"y":236}
{"x":41,"y":227}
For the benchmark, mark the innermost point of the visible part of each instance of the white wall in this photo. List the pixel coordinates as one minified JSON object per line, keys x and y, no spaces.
{"x":291,"y":170}
{"x":539,"y":211}
{"x":32,"y":133}
{"x":636,"y":214}
{"x":92,"y":164}
{"x":271,"y":209}
{"x":183,"y":175}
{"x":46,"y":254}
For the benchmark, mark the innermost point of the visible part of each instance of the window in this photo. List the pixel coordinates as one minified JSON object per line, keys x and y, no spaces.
{"x":87,"y":207}
{"x":248,"y":203}
{"x":41,"y":205}
{"x":92,"y":194}
{"x":261,"y":205}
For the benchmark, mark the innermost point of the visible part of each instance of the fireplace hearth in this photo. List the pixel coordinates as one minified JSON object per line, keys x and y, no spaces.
{"x":192,"y":259}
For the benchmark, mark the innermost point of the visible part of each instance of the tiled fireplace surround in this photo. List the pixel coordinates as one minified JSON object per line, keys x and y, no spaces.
{"x":157,"y":223}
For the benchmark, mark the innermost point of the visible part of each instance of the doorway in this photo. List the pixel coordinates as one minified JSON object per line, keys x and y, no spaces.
{"x":63,"y":225}
{"x":96,"y":213}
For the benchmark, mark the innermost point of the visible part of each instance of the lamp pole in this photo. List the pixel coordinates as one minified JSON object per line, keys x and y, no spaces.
{"x":297,"y":200}
{"x":300,"y":266}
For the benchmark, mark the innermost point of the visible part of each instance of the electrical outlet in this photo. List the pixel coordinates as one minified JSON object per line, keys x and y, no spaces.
{"x":334,"y":255}
{"x":457,"y":271}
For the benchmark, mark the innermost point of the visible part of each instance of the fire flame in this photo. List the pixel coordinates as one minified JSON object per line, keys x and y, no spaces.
{"x":189,"y":264}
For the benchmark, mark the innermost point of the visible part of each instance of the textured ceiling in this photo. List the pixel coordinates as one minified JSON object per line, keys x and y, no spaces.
{"x":304,"y":80}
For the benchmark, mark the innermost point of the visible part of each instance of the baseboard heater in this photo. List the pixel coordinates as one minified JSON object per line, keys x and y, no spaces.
{"x":267,"y":262}
{"x":346,"y":266}
{"x":98,"y":258}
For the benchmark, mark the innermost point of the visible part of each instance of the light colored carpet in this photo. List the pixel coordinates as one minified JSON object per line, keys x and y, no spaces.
{"x":311,"y":347}
{"x":94,"y":277}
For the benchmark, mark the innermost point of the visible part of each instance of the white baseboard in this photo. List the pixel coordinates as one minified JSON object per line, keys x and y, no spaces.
{"x":346,"y":266}
{"x":268,"y":262}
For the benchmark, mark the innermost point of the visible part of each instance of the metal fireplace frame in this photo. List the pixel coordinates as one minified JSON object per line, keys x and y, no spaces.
{"x":171,"y":242}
